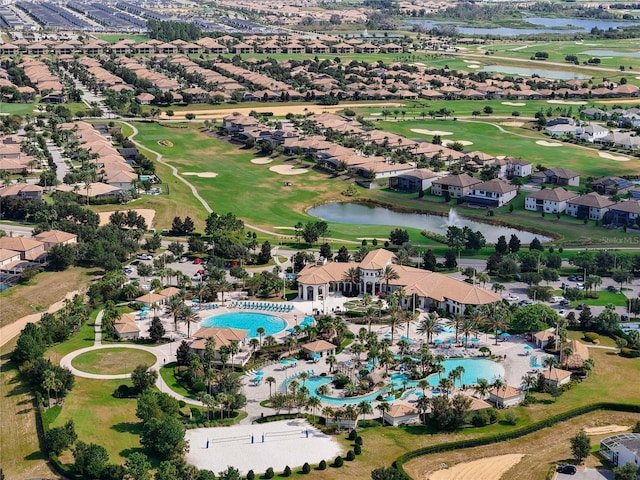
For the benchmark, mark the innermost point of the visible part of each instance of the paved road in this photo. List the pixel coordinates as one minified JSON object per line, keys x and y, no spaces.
{"x":61,"y":166}
{"x":17,"y":229}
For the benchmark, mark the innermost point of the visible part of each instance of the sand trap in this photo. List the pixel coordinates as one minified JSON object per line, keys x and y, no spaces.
{"x":261,"y":160}
{"x":285,"y":443}
{"x":490,"y":468}
{"x":201,"y":174}
{"x":566,"y":102}
{"x":513,"y":124}
{"x":617,"y":158}
{"x":376,"y":114}
{"x":605,"y":429}
{"x":288,"y":170}
{"x":284,"y":228}
{"x":514,"y":104}
{"x":474,"y":65}
{"x":430,"y":132}
{"x":464,"y":143}
{"x":147,"y":213}
{"x":544,"y":143}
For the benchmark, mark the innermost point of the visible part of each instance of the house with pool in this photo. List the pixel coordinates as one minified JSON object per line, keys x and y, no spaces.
{"x":425,"y":289}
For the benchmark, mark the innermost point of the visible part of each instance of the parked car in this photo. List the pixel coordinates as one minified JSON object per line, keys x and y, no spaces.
{"x":580,"y":286}
{"x":612,"y":288}
{"x":563,"y":313}
{"x":196,"y":277}
{"x":184,"y":260}
{"x":197,"y":261}
{"x":513,"y":298}
{"x":579,"y":278}
{"x":624,"y":318}
{"x":564,"y":303}
{"x":144,"y":256}
{"x":165,"y":231}
{"x":557,"y":299}
{"x":572,"y":278}
{"x":518,"y":277}
{"x":523,"y":303}
{"x":564,"y":285}
{"x":580,"y":306}
{"x":568,"y":469}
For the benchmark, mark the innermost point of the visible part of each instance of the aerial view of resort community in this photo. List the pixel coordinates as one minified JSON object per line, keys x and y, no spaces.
{"x":325,"y":239}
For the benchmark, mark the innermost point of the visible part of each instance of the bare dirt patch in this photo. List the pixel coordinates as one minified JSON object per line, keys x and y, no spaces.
{"x":513,"y":124}
{"x":288,"y":170}
{"x":610,"y":156}
{"x":483,"y":469}
{"x":261,"y":160}
{"x":566,"y":102}
{"x":147,"y":213}
{"x":514,"y":104}
{"x":544,"y":143}
{"x":431,"y":132}
{"x":201,"y":174}
{"x":605,"y":429}
{"x":474,"y":65}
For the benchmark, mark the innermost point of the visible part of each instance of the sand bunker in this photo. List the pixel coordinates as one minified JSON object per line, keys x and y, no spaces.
{"x":201,"y":174}
{"x":475,"y":65}
{"x":430,"y":132}
{"x":484,"y":469}
{"x":605,"y":429}
{"x":464,"y":143}
{"x":513,"y":124}
{"x":147,"y":213}
{"x":288,"y":170}
{"x":544,"y":143}
{"x":376,"y":114}
{"x":566,"y":102}
{"x":617,"y":158}
{"x":261,"y":160}
{"x":260,"y":446}
{"x":514,"y":104}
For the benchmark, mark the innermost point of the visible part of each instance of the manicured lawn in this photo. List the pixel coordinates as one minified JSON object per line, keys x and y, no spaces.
{"x":84,"y":338}
{"x":166,"y":372}
{"x":116,"y":37}
{"x":112,"y":361}
{"x":100,"y":418}
{"x":605,"y":298}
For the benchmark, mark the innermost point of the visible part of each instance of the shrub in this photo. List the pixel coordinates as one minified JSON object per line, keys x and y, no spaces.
{"x":480,"y":418}
{"x":322,"y":465}
{"x":629,"y":352}
{"x":338,"y":462}
{"x":353,"y":435}
{"x":251,"y":475}
{"x":269,"y":473}
{"x":351,"y":456}
{"x":357,"y":450}
{"x":182,"y":403}
{"x":592,"y":337}
{"x":199,"y":387}
{"x":124,"y":391}
{"x":306,"y":468}
{"x":359,"y":440}
{"x":287,"y":471}
{"x":493,"y":415}
{"x":511,"y":417}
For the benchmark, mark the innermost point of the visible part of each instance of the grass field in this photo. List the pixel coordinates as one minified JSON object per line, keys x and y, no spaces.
{"x":20,"y":455}
{"x":112,"y":361}
{"x":116,"y":37}
{"x":605,"y":298}
{"x":100,"y":418}
{"x":45,"y":289}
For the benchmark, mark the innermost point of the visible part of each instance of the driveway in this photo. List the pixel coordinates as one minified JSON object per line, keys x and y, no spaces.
{"x":587,"y":474}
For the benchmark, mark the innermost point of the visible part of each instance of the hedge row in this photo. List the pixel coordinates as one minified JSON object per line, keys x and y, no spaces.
{"x":502,"y":437}
{"x":42,"y":424}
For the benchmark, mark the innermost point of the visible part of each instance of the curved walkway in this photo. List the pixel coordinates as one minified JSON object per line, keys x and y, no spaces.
{"x":163,"y":353}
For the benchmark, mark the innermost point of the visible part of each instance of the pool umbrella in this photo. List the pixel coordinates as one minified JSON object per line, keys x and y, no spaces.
{"x":464,"y":339}
{"x":449,"y":341}
{"x":437,"y":340}
{"x":284,"y":362}
{"x":260,"y":373}
{"x":498,"y":332}
{"x":528,"y":347}
{"x":291,"y":330}
{"x":144,"y":309}
{"x":315,"y":355}
{"x":475,"y":340}
{"x":387,"y":335}
{"x":390,"y":399}
{"x":505,"y":335}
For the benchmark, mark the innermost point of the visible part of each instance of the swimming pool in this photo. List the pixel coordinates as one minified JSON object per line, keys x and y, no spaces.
{"x":247,"y":321}
{"x":474,"y":368}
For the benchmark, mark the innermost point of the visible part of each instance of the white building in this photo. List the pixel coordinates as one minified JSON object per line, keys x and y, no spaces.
{"x":622,"y":449}
{"x":549,"y":200}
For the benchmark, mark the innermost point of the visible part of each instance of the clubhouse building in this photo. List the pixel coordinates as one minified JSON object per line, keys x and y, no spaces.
{"x":427,"y":289}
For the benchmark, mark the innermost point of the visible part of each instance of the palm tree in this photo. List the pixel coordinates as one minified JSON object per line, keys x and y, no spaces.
{"x":188,"y":316}
{"x":482,"y":387}
{"x":223,"y":286}
{"x":260,"y":331}
{"x":352,"y":277}
{"x":428,"y":326}
{"x":313,"y":403}
{"x":423,"y":405}
{"x":270,"y":381}
{"x":394,"y":320}
{"x":327,"y":412}
{"x":565,"y":353}
{"x":331,"y":361}
{"x":323,"y":390}
{"x":383,"y":407}
{"x":423,"y":385}
{"x":456,"y":322}
{"x":550,"y":362}
{"x":528,"y":382}
{"x":498,"y":384}
{"x":364,"y":408}
{"x":387,"y":274}
{"x":446,"y":385}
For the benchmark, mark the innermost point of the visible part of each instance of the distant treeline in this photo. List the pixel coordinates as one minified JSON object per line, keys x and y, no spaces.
{"x":168,"y":31}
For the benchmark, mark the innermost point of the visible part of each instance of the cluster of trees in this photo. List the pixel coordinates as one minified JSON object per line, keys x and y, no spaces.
{"x":168,"y":31}
{"x":465,"y":238}
{"x":182,"y":227}
{"x":311,"y":231}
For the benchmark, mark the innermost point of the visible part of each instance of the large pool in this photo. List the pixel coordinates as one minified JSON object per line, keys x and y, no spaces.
{"x":474,"y":368}
{"x":247,"y":321}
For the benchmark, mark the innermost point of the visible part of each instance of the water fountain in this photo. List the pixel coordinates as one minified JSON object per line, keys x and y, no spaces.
{"x":453,"y":219}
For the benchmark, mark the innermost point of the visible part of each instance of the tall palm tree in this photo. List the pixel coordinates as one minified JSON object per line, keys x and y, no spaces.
{"x":456,"y":321}
{"x":528,"y":382}
{"x":550,"y":362}
{"x":383,"y":407}
{"x":364,"y":408}
{"x":423,"y":405}
{"x":223,"y":286}
{"x":260,"y":331}
{"x":331,"y":360}
{"x":387,"y":274}
{"x":188,"y":316}
{"x":270,"y":381}
{"x":482,"y":387}
{"x":313,"y":403}
{"x":428,"y":325}
{"x":352,"y":276}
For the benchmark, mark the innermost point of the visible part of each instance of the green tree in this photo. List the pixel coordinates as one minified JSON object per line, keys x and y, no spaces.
{"x":628,"y":471}
{"x":429,"y":261}
{"x":156,"y":330}
{"x":143,"y":378}
{"x":502,"y":247}
{"x":138,"y":466}
{"x":514,"y":244}
{"x":58,"y":439}
{"x":90,"y":459}
{"x":387,"y":473}
{"x":580,"y":446}
{"x":398,"y":236}
{"x":450,"y":259}
{"x":166,"y":471}
{"x":533,"y":318}
{"x":163,"y":437}
{"x":230,"y":473}
{"x":61,"y":257}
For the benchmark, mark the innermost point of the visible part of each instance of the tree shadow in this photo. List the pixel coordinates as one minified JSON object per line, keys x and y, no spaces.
{"x":37,"y":455}
{"x":24,"y":411}
{"x":127,"y":427}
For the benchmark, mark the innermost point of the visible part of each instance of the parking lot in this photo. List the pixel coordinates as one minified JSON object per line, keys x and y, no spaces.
{"x":587,"y":474}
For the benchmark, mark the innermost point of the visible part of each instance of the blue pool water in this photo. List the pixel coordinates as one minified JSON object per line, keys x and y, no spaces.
{"x":474,"y":368}
{"x":247,"y":321}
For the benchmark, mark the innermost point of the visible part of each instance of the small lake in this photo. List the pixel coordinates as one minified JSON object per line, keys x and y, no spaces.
{"x":554,"y":25}
{"x":360,"y":214}
{"x":610,"y":53}
{"x":528,"y":72}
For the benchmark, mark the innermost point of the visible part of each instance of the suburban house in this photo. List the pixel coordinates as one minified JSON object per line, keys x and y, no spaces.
{"x":424,"y":288}
{"x":556,"y":377}
{"x":623,"y":214}
{"x":611,"y":185}
{"x":622,"y":449}
{"x":56,"y":237}
{"x":8,"y":257}
{"x":221,"y":337}
{"x":506,"y":396}
{"x":492,"y":193}
{"x":28,"y":248}
{"x":401,"y":414}
{"x":25,"y":191}
{"x":514,"y":167}
{"x":456,"y":186}
{"x":549,"y":200}
{"x":557,"y":176}
{"x":414,"y":181}
{"x":541,"y":338}
{"x":591,"y":206}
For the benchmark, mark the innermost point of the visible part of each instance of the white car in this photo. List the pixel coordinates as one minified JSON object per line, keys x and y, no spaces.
{"x":144,"y":256}
{"x":557,"y":299}
{"x":580,"y":286}
{"x":184,"y":260}
{"x":562,"y":313}
{"x":513,"y":298}
{"x":196,"y":277}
